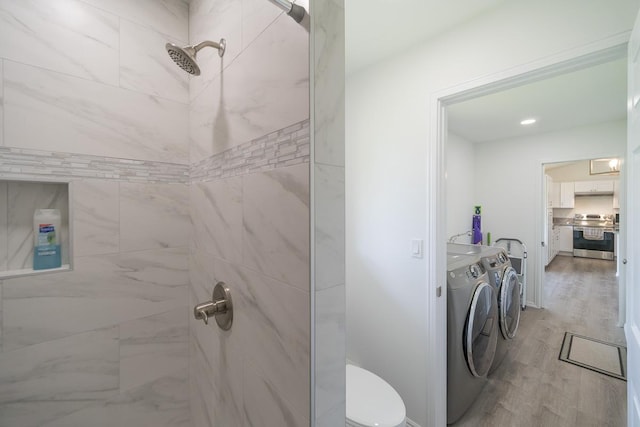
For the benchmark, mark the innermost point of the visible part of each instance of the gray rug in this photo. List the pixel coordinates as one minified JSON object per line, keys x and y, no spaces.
{"x":599,"y":356}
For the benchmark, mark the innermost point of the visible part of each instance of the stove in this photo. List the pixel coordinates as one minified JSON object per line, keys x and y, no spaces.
{"x":593,"y":220}
{"x":593,"y":236}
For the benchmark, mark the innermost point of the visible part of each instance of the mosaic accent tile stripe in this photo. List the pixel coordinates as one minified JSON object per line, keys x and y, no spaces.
{"x":18,"y":163}
{"x":282,"y":148}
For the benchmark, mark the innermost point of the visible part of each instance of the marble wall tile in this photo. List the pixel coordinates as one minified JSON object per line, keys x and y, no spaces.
{"x":331,"y":351}
{"x":1,"y":286}
{"x":257,"y":15}
{"x":329,"y":225}
{"x":329,"y":110}
{"x":96,"y":217}
{"x":153,"y":216}
{"x":265,"y":407}
{"x":167,"y":16}
{"x":332,"y":418}
{"x":1,"y":102}
{"x":200,"y":386}
{"x":145,"y":65}
{"x":224,"y":351}
{"x":161,"y":403}
{"x":101,"y":291}
{"x":329,"y":192}
{"x":67,"y":36}
{"x":271,"y":320}
{"x":45,"y":381}
{"x":216,"y":217}
{"x":213,"y":20}
{"x":266,"y":88}
{"x":4,"y":231}
{"x":276,"y":224}
{"x":79,"y":116}
{"x":153,"y":347}
{"x":23,"y":199}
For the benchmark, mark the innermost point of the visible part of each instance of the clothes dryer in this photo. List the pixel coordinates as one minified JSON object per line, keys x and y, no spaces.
{"x":472,"y":319}
{"x":504,"y":279}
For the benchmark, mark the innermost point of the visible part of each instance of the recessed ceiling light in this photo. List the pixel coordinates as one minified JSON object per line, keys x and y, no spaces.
{"x":528,"y":122}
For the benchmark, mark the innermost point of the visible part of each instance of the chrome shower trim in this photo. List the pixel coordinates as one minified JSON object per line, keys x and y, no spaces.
{"x":292,"y":9}
{"x":221,"y":46}
{"x":185,"y":57}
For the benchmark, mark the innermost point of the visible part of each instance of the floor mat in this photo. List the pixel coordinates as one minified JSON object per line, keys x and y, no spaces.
{"x":599,"y":356}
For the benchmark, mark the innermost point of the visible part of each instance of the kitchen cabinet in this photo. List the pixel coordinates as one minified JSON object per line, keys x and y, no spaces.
{"x":553,"y":243}
{"x":594,"y":187}
{"x":555,"y":195}
{"x":565,"y":241}
{"x":616,"y":194}
{"x":548,"y":190}
{"x":549,"y":241}
{"x":567,"y":195}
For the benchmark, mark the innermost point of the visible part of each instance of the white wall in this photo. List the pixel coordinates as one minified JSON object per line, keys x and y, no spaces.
{"x":461,"y":198}
{"x":521,"y":178}
{"x":387,"y":132}
{"x":594,"y":204}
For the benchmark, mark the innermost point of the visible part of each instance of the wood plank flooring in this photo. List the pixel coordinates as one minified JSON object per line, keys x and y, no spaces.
{"x":532,"y":387}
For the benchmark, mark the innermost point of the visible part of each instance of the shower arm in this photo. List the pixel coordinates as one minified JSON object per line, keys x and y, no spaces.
{"x":293,"y":10}
{"x":208,"y":43}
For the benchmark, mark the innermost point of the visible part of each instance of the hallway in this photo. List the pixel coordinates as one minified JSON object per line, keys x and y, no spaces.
{"x":532,"y":387}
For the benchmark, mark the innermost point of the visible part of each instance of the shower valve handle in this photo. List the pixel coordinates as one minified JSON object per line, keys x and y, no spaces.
{"x":220,"y":306}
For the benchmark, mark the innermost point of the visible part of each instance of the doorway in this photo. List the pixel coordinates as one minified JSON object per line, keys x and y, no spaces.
{"x":493,"y":172}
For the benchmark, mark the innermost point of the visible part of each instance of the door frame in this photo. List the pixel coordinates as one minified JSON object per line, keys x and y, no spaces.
{"x":580,"y":57}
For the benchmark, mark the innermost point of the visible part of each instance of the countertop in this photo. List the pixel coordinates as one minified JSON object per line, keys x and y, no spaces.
{"x":568,"y":222}
{"x":563,"y":222}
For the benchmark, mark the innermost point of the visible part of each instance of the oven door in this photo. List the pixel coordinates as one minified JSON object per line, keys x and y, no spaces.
{"x":590,"y":242}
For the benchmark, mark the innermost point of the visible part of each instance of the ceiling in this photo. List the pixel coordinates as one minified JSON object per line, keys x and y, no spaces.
{"x":377,"y":29}
{"x":589,"y":96}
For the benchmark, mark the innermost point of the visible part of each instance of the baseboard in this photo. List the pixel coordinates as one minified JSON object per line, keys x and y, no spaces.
{"x":411,"y":423}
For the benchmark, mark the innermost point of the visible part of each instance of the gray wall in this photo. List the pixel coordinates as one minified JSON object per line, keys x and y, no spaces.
{"x":87,"y":98}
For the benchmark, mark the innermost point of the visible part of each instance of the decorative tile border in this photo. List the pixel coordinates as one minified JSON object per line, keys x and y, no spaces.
{"x":18,"y":163}
{"x":285,"y":147}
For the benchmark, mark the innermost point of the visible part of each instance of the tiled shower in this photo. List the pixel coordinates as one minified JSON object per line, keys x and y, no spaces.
{"x":168,"y":185}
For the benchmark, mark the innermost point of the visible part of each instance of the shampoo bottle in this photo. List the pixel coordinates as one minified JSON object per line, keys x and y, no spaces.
{"x":46,"y":228}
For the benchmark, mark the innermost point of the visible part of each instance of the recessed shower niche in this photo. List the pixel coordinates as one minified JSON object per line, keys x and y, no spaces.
{"x":18,"y":202}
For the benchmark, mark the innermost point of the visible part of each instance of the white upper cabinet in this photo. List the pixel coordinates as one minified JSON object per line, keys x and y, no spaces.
{"x":549,"y":190}
{"x":616,"y":194}
{"x":555,"y":195}
{"x":567,"y":195}
{"x":594,"y":187}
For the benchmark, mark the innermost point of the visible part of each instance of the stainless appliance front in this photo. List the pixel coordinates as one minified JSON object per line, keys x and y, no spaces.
{"x":593,"y":236}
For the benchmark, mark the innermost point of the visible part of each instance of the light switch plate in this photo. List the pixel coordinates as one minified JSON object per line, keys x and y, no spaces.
{"x":417,"y":246}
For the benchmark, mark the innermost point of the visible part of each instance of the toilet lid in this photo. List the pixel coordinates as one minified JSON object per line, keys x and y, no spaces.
{"x":371,"y":401}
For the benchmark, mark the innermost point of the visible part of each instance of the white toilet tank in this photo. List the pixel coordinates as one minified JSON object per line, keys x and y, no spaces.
{"x":371,"y":401}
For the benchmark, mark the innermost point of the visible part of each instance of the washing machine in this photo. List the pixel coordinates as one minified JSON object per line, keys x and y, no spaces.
{"x":472,"y":331}
{"x":504,"y":278}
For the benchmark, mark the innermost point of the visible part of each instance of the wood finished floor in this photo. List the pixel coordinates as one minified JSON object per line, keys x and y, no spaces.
{"x":532,"y":387}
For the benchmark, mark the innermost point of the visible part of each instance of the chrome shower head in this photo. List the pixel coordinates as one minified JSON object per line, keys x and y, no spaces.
{"x":185,"y":57}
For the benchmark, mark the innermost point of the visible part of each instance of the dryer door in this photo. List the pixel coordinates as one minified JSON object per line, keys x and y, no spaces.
{"x":509,"y":303}
{"x":480,"y":332}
